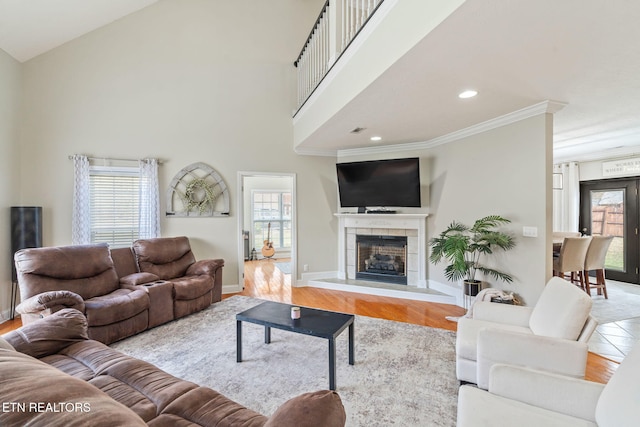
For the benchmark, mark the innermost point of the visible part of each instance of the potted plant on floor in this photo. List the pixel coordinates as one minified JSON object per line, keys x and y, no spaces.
{"x":463,"y":247}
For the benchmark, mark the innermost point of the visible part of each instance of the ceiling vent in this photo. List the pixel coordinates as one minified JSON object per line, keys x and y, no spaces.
{"x":357,"y":130}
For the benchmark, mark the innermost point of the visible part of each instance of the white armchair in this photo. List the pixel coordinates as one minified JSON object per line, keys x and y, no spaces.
{"x":552,"y":336}
{"x":525,"y":397}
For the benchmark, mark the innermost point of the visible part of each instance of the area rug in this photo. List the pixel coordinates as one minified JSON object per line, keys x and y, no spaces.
{"x":284,"y":267}
{"x":404,"y":374}
{"x":620,"y":305}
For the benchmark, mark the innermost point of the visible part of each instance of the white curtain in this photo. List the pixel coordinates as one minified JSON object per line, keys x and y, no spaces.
{"x":566,"y":197}
{"x":149,"y":199}
{"x":81,"y":216}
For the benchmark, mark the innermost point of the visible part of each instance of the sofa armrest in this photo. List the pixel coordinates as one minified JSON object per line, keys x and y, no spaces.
{"x":137,"y":279}
{"x":322,"y":408}
{"x":50,"y":334}
{"x":502,"y":313}
{"x":205,"y":266}
{"x":556,"y":355}
{"x":557,"y":393}
{"x":51,"y":300}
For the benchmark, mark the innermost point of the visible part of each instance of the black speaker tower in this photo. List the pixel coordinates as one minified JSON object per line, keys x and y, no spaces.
{"x":26,"y":232}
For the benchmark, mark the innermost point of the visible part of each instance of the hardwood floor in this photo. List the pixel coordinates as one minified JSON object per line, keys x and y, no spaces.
{"x":10,"y":325}
{"x":264,"y":280}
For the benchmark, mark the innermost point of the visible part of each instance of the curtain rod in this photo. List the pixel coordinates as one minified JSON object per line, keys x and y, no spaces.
{"x":114,"y":159}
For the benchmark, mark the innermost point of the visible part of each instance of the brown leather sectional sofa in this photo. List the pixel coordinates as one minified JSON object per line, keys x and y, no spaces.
{"x":121,"y":292}
{"x":53,"y":375}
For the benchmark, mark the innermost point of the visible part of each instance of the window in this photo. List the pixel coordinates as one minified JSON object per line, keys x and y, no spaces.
{"x":271,"y":207}
{"x":115,"y":206}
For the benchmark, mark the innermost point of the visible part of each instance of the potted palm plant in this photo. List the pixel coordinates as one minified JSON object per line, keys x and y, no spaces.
{"x":463,"y":247}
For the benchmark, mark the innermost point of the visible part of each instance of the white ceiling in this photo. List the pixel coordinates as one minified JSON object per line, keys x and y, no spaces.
{"x":516,"y":53}
{"x":31,"y":27}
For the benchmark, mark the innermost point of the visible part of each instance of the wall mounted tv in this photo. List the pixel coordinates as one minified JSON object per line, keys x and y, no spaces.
{"x":379,"y":183}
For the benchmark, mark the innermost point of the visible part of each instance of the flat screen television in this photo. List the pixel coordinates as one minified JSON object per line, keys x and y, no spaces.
{"x":379,"y":183}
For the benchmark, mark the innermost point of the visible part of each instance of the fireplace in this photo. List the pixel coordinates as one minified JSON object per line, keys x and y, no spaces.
{"x":411,"y":226}
{"x":382,"y":258}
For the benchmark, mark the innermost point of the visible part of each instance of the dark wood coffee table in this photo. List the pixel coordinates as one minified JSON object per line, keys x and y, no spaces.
{"x":317,"y":323}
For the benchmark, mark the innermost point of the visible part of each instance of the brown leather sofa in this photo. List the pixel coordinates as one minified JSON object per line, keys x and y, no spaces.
{"x":122,"y":292}
{"x":53,"y":375}
{"x":195,"y":283}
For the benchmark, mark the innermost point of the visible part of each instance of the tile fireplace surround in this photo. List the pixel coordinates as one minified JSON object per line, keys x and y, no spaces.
{"x":411,"y":225}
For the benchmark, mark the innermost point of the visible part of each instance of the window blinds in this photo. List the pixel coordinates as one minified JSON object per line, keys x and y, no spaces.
{"x":114,"y":205}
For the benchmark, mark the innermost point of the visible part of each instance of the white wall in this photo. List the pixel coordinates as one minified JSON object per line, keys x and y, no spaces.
{"x":504,"y":171}
{"x":185,"y":81}
{"x":10,"y":95}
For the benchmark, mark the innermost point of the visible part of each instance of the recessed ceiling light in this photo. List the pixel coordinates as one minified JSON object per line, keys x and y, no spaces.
{"x":376,"y":138}
{"x":468,"y":94}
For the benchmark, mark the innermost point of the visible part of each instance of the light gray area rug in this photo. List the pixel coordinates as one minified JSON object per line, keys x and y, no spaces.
{"x":623,"y":303}
{"x":404,"y":374}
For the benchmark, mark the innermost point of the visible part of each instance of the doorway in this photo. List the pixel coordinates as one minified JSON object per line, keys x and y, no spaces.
{"x":267,"y":227}
{"x":611,"y":207}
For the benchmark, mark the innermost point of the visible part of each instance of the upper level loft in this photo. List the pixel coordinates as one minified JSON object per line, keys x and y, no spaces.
{"x":352,"y":43}
{"x":394,"y":69}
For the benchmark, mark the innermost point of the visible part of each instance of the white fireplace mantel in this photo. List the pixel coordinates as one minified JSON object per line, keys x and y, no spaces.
{"x":413,"y":225}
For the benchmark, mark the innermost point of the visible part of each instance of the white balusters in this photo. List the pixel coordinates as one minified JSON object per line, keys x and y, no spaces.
{"x":329,"y":39}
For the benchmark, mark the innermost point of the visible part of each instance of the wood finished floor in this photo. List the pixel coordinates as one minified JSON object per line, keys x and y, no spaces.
{"x":263,"y":280}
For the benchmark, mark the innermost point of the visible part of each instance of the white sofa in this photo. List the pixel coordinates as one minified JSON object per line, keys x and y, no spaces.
{"x":551,"y":336}
{"x":524,"y":397}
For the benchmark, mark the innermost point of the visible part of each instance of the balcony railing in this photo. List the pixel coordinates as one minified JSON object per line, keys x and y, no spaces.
{"x":339,"y":23}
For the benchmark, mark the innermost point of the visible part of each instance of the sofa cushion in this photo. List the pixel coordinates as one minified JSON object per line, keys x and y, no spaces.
{"x":166,"y":257}
{"x":84,"y":269}
{"x":203,"y":406}
{"x":309,"y":410}
{"x":48,"y":336}
{"x":85,"y":360}
{"x":469,"y":330}
{"x":192,"y":287}
{"x":41,"y":395}
{"x":561,"y":311}
{"x":4,"y":345}
{"x":139,"y":385}
{"x":477,"y":407}
{"x":116,"y":306}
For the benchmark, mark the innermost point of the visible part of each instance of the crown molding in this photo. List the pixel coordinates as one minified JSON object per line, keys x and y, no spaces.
{"x":544,"y":107}
{"x":315,"y":152}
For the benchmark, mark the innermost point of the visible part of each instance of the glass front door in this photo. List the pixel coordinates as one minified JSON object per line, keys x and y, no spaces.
{"x":610,"y":208}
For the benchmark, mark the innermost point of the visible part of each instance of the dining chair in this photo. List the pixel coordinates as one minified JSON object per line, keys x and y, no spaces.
{"x":571,"y":259}
{"x":594,"y":260}
{"x":558,"y":236}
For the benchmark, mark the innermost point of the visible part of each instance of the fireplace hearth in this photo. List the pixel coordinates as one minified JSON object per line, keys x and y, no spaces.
{"x":382,"y":258}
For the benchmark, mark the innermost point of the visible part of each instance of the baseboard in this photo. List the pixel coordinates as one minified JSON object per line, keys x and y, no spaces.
{"x":306,"y":277}
{"x":231,"y":289}
{"x":331,"y":280}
